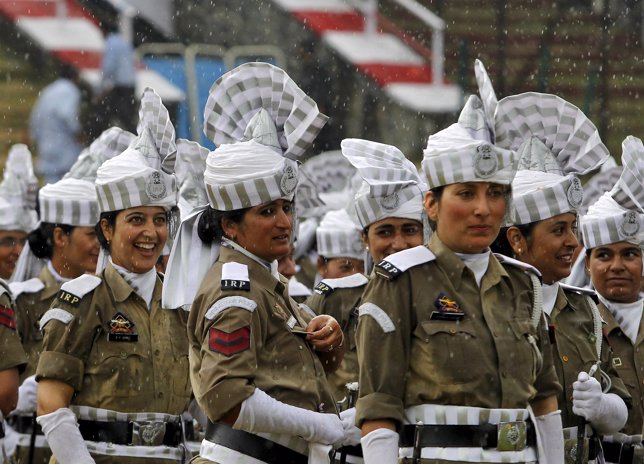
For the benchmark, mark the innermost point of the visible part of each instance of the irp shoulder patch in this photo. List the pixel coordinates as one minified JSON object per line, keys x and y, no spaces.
{"x":234,"y":276}
{"x":7,"y":317}
{"x":396,"y":264}
{"x":329,"y":285}
{"x":28,"y":286}
{"x":229,"y":343}
{"x":516,"y":263}
{"x":57,"y":314}
{"x":73,"y":291}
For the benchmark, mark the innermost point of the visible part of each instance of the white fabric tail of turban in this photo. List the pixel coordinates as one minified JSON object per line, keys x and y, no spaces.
{"x":237,"y":95}
{"x":618,"y":215}
{"x":486,"y":91}
{"x":600,"y":183}
{"x":474,"y":121}
{"x":143,"y":175}
{"x":189,"y":168}
{"x":110,"y":143}
{"x":395,"y":186}
{"x":18,"y":191}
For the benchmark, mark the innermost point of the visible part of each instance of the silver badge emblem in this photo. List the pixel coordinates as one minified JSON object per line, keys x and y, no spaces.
{"x":357,"y":247}
{"x":575,"y":193}
{"x":630,"y":226}
{"x":390,"y":202}
{"x":485,"y":162}
{"x":154,"y":187}
{"x":288,"y":181}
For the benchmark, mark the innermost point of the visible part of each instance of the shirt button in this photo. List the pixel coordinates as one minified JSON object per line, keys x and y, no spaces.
{"x":452,"y":331}
{"x":564,"y":358}
{"x":157,"y":352}
{"x":160,"y":395}
{"x":301,"y":348}
{"x":123,"y":355}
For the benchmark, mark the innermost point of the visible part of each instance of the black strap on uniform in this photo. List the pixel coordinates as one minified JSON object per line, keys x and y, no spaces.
{"x":25,"y":425}
{"x":456,"y":436}
{"x":252,"y":445}
{"x":121,"y":433}
{"x":619,"y":453}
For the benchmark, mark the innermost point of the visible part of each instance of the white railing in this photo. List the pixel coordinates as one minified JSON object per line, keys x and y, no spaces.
{"x":369,"y":8}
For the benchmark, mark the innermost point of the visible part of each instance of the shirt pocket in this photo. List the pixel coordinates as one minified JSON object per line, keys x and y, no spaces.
{"x":527,"y":353}
{"x":180,"y":370}
{"x":120,"y":369}
{"x":450,"y":348}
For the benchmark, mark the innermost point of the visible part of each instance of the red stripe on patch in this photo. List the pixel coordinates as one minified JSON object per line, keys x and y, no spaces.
{"x":7,"y":318}
{"x":229,"y":343}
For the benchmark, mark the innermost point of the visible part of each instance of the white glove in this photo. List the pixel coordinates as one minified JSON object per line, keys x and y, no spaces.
{"x":380,"y":446}
{"x":606,"y":412}
{"x":64,"y":438}
{"x":352,"y":433}
{"x":27,"y":397}
{"x":550,"y":441}
{"x":262,"y":413}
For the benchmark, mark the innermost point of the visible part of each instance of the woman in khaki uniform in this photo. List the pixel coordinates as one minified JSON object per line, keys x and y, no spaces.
{"x":113,"y":374}
{"x":612,"y":231}
{"x":452,"y":348}
{"x":257,"y":361}
{"x":546,"y":198}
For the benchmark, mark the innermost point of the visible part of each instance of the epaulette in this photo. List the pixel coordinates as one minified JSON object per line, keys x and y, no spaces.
{"x":396,"y":264}
{"x":516,"y":263}
{"x":296,"y":288}
{"x":73,"y":291}
{"x":326,"y":286}
{"x":28,"y":286}
{"x":579,"y":290}
{"x":234,"y":276}
{"x":5,"y":288}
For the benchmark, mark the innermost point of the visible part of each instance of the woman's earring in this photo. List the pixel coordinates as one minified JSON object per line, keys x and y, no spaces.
{"x":519,"y":251}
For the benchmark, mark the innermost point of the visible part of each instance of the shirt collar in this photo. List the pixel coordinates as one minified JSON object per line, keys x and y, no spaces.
{"x":271,"y":266}
{"x":52,"y":286}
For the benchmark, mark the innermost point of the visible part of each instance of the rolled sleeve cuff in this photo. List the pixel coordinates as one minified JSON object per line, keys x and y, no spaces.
{"x":60,"y":366}
{"x":217,"y":401}
{"x":379,"y":406}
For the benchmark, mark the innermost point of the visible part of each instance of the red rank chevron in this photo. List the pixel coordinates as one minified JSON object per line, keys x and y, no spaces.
{"x":229,"y":343}
{"x":7,"y":317}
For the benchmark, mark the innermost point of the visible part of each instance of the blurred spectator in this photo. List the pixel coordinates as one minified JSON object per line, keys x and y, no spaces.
{"x":118,"y":104}
{"x":55,"y":126}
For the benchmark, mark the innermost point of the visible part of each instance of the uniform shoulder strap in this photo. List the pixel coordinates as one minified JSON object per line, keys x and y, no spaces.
{"x":28,"y":286}
{"x":396,"y":264}
{"x":234,"y":276}
{"x":73,"y":291}
{"x":518,"y":264}
{"x":597,"y":318}
{"x":580,"y":290}
{"x":326,"y":286}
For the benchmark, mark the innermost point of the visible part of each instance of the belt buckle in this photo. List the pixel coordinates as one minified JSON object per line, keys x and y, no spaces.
{"x":148,"y":433}
{"x":512,"y":436}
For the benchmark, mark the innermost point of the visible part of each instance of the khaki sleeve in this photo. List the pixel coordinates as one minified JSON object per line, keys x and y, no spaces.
{"x":69,"y":333}
{"x":617,"y":385}
{"x":316,"y":303}
{"x":229,"y":344}
{"x":547,"y":383}
{"x":11,"y":351}
{"x":383,"y":344}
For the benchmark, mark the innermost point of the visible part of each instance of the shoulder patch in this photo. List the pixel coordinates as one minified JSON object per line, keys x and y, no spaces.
{"x":516,"y":263}
{"x":7,"y":317}
{"x":28,"y":286}
{"x":329,"y":285}
{"x":230,"y":302}
{"x":73,"y":291}
{"x":579,"y":290}
{"x":56,"y":314}
{"x":396,"y":264}
{"x":307,"y":310}
{"x":234,"y":276}
{"x":5,"y":288}
{"x":379,"y":315}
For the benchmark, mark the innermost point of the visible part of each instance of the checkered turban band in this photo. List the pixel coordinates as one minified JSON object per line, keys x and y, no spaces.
{"x":143,"y":175}
{"x":619,"y":214}
{"x":69,"y":201}
{"x":393,"y":180}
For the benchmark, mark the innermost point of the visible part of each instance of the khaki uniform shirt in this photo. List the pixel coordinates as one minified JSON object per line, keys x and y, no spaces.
{"x":492,"y":357}
{"x":146,"y":375}
{"x":241,"y":339}
{"x":571,"y":322}
{"x":11,"y":351}
{"x":30,"y":307}
{"x":342,"y":304}
{"x":628,"y":361}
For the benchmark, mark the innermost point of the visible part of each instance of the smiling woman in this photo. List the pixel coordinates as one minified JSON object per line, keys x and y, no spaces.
{"x":112,"y":355}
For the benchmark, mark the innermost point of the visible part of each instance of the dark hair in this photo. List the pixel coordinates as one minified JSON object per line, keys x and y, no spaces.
{"x":501,"y":243}
{"x":110,"y":217}
{"x":41,"y":240}
{"x":209,"y":227}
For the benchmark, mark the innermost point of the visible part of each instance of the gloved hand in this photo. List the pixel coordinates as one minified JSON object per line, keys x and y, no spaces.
{"x":550,"y":443}
{"x":64,"y":438}
{"x":27,"y":397}
{"x":380,"y":446}
{"x":262,"y":413}
{"x":606,"y":412}
{"x":352,"y":433}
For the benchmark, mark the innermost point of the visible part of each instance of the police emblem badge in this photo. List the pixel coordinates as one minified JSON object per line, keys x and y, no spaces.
{"x":121,"y":329}
{"x":390,"y":202}
{"x":630,"y":226}
{"x":288,"y":182}
{"x":155,"y":187}
{"x":485,"y":162}
{"x":447,"y":309}
{"x":575,"y":193}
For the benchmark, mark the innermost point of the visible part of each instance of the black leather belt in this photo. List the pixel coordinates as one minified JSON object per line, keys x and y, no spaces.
{"x":24,"y":424}
{"x":349,"y":451}
{"x":132,"y":433}
{"x":458,"y":436}
{"x":253,"y":445}
{"x":613,"y":452}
